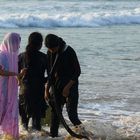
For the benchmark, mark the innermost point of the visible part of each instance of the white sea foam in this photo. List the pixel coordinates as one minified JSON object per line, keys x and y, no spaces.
{"x":125,"y":127}
{"x":46,"y":14}
{"x":67,"y":20}
{"x":128,"y":125}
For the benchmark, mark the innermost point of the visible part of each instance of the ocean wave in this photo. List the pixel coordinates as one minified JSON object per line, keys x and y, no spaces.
{"x":69,"y":20}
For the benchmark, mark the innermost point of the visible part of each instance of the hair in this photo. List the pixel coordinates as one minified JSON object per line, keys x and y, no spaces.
{"x":62,"y":43}
{"x":52,"y":41}
{"x":34,"y":42}
{"x":34,"y":45}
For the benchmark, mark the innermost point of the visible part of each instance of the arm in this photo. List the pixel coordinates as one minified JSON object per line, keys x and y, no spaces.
{"x":75,"y":70}
{"x":7,"y":73}
{"x":67,"y":88}
{"x":47,"y":93}
{"x":21,"y":75}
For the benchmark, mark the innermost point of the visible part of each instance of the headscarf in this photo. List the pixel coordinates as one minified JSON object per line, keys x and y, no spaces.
{"x":9,"y":47}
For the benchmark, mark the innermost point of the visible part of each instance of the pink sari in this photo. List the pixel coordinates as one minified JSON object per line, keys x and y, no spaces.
{"x":8,"y":85}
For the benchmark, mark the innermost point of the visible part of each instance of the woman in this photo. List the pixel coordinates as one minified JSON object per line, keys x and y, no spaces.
{"x":31,"y":100}
{"x":64,"y":77}
{"x":9,"y":85}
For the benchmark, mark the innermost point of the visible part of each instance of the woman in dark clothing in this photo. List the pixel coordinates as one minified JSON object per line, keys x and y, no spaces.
{"x":31,"y":100}
{"x":64,"y":78}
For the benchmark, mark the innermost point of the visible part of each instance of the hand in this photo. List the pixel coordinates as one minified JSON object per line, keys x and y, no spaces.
{"x":21,"y":75}
{"x":23,"y":71}
{"x":19,"y":79}
{"x":66,"y":91}
{"x":47,"y":93}
{"x":67,"y":88}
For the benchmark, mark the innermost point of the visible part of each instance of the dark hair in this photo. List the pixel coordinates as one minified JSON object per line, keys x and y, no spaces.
{"x":51,"y":41}
{"x":62,"y":43}
{"x":34,"y":41}
{"x":34,"y":44}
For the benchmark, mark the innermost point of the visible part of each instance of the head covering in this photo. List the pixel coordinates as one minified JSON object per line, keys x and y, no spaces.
{"x":10,"y":43}
{"x":9,"y":47}
{"x":8,"y":85}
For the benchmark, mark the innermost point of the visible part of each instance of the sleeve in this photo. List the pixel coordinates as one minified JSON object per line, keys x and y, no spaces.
{"x":46,"y":67}
{"x":48,"y":63}
{"x":75,"y":64}
{"x":19,"y":63}
{"x":2,"y":62}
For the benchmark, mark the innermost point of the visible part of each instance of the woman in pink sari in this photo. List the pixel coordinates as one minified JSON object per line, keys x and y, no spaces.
{"x":9,"y":85}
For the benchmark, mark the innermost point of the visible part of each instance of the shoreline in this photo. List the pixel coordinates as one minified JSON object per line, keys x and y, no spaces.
{"x":101,"y":131}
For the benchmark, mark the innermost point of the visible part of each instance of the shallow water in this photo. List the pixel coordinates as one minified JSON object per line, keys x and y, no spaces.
{"x":110,"y":79}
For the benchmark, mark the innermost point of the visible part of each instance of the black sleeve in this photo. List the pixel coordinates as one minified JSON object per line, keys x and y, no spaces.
{"x":75,"y":64}
{"x":46,"y":69}
{"x":19,"y":63}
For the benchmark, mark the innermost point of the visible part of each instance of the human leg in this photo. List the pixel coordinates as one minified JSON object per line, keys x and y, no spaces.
{"x":55,"y":120}
{"x":24,"y":118}
{"x":72,"y":104}
{"x":36,"y":122}
{"x":54,"y":126}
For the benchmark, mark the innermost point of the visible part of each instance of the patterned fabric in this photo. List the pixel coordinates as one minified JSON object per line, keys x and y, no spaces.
{"x":8,"y":85}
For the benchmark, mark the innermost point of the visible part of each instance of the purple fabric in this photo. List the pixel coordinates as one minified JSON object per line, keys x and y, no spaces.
{"x":8,"y":85}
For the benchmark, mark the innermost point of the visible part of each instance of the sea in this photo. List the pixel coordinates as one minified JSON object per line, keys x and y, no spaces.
{"x":106,"y":37}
